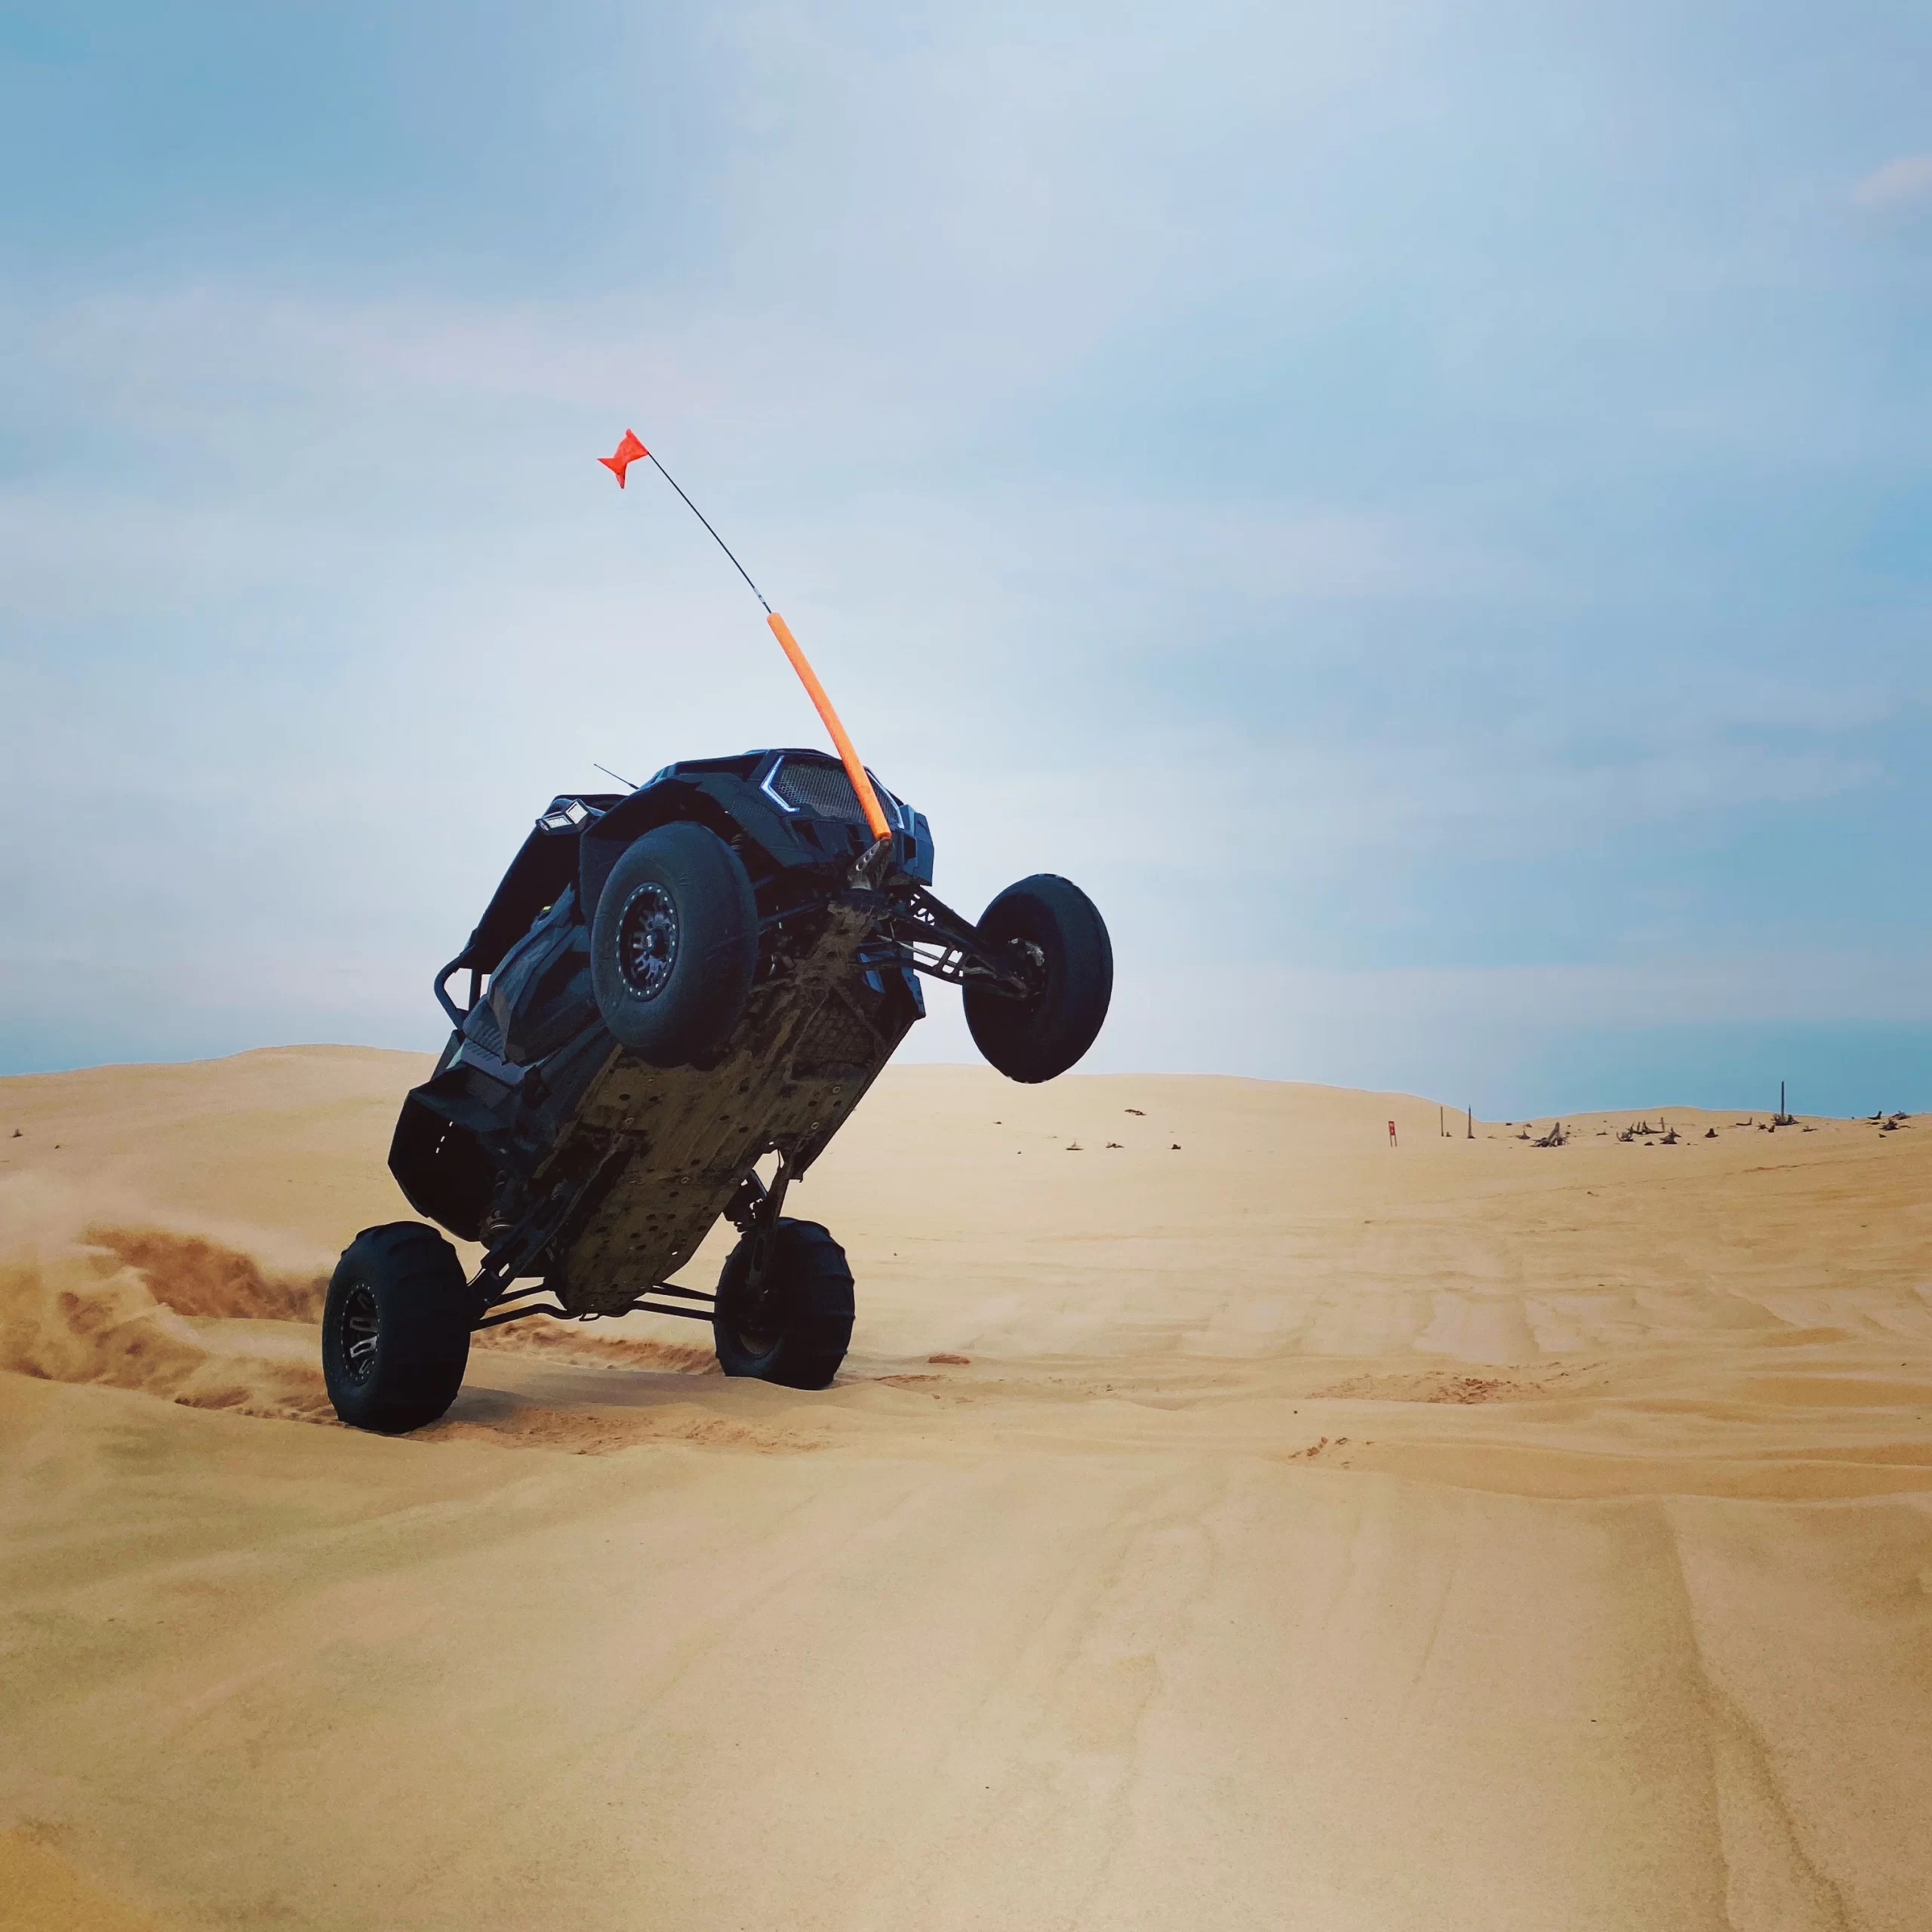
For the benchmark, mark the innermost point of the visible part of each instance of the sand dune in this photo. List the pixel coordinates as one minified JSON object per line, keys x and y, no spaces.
{"x":1223,"y":1519}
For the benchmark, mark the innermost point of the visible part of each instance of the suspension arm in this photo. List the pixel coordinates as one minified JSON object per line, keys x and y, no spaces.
{"x":495,"y":1281}
{"x":642,"y":1305}
{"x":934,"y":939}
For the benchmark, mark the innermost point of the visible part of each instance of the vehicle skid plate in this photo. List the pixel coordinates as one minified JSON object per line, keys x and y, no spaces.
{"x":668,"y":1146}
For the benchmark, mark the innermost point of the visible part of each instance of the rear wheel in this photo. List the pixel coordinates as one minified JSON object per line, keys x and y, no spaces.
{"x":796,"y":1329}
{"x":673,"y":944}
{"x":396,"y":1328}
{"x":1054,"y":933}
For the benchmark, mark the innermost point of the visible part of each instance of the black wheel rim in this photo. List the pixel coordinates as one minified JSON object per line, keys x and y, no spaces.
{"x":1034,"y":968}
{"x":647,"y":941}
{"x":743,"y":1311}
{"x":753,"y":1342}
{"x":1027,"y":959}
{"x":362,"y":1332}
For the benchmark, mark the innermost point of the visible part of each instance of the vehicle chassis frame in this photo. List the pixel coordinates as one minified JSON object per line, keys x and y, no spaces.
{"x":911,"y":928}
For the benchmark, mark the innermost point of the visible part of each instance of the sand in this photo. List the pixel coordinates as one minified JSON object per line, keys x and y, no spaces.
{"x":1248,"y":1524}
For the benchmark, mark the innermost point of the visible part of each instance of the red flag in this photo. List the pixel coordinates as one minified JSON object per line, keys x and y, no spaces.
{"x":626,"y":452}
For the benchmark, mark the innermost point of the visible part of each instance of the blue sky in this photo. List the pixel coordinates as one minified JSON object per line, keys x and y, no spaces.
{"x":1423,"y":510}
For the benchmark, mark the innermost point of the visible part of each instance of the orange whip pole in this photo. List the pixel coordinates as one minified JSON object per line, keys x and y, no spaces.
{"x":627,"y":452}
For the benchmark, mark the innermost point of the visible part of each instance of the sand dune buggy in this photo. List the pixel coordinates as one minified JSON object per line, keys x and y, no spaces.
{"x":670,"y":987}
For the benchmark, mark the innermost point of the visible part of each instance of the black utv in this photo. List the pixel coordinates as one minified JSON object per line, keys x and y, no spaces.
{"x":668,"y":987}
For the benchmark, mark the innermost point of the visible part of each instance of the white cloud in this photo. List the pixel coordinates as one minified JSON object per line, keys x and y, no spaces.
{"x":1905,"y":181}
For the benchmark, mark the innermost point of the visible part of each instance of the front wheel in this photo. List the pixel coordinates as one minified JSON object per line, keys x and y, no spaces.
{"x":1055,"y":936}
{"x":396,"y":1328}
{"x":796,"y":1328}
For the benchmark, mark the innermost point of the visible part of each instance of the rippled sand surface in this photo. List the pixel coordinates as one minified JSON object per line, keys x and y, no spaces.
{"x":1223,"y":1519}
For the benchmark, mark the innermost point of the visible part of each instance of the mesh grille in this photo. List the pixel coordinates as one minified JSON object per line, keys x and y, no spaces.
{"x":837,"y":1042}
{"x":821,"y":789}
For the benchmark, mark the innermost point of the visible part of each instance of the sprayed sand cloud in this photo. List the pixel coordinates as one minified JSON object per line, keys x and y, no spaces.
{"x":172,"y":1314}
{"x":1223,"y":1517}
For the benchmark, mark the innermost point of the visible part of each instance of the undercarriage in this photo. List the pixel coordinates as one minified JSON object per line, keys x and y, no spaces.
{"x":656,"y":1154}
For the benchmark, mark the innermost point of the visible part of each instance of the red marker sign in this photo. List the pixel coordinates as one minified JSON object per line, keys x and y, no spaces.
{"x":626,"y":453}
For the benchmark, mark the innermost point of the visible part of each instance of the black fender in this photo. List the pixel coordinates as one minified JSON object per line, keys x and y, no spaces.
{"x":725,"y":802}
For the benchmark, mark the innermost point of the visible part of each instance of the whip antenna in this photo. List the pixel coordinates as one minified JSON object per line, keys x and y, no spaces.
{"x":626,"y":452}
